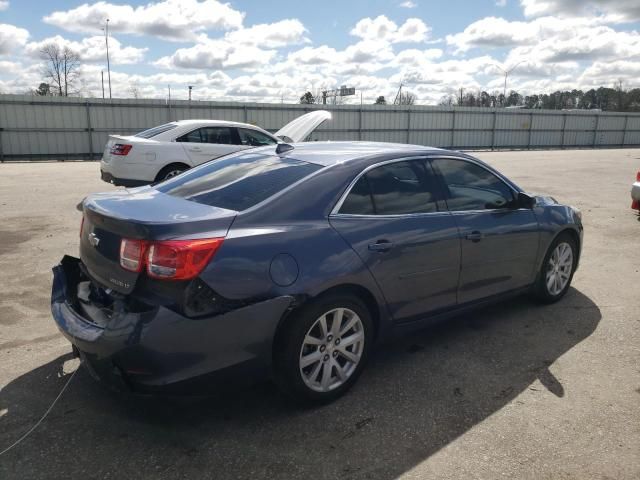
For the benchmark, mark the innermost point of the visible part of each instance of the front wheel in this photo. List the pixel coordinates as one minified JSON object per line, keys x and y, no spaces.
{"x":556,"y":273}
{"x":323,"y":349}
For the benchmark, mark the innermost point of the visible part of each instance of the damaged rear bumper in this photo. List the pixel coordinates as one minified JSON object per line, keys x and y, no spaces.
{"x":147,"y":348}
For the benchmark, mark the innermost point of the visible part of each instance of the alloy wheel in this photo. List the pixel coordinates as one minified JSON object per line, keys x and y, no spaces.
{"x":332,"y":349}
{"x":559,"y":268}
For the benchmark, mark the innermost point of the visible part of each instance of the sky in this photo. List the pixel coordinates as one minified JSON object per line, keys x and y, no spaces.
{"x":251,"y":50}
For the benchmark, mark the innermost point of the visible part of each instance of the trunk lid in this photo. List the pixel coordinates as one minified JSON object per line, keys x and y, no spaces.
{"x":142,"y":213}
{"x":300,"y":128}
{"x":113,"y":139}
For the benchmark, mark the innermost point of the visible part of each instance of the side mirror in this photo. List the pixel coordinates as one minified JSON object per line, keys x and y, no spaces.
{"x":525,"y":200}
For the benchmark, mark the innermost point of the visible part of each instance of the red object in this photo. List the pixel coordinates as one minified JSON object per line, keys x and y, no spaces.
{"x":132,"y":254}
{"x":81,"y":225}
{"x":638,"y":176}
{"x":635,"y":204}
{"x":170,"y":259}
{"x":121,"y":149}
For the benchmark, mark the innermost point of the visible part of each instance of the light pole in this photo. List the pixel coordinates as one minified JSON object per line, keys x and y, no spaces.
{"x":506,"y":75}
{"x":106,"y":39}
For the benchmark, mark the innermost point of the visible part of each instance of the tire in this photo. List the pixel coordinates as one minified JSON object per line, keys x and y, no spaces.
{"x":300,"y":366}
{"x":170,"y":171}
{"x":548,"y":289}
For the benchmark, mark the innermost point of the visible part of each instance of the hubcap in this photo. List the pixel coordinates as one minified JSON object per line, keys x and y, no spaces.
{"x":172,"y":173}
{"x":332,"y":349}
{"x":559,"y":268}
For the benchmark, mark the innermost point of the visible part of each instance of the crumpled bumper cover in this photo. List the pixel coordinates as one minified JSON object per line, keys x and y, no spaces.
{"x":158,"y":348}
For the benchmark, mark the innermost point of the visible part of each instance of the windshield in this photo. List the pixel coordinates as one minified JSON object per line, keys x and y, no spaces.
{"x":152,"y":132}
{"x":238,"y":182}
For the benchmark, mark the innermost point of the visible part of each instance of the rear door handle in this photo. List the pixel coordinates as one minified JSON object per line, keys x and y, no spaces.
{"x":195,"y":149}
{"x":380,"y":246}
{"x":474,"y":236}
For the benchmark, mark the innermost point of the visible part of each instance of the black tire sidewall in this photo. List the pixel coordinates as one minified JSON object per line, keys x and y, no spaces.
{"x":289,"y":342}
{"x":541,"y":288}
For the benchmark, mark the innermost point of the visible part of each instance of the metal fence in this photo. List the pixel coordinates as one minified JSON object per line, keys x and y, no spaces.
{"x":40,"y":128}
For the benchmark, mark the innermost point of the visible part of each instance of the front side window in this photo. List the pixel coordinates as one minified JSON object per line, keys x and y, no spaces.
{"x":254,"y":138}
{"x":397,"y":188}
{"x":472,"y":187}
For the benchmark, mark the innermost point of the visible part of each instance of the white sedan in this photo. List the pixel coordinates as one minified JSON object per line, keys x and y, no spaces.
{"x":167,"y":150}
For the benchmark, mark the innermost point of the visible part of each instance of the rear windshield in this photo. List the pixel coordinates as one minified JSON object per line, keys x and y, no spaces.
{"x":238,"y":182}
{"x":152,"y":132}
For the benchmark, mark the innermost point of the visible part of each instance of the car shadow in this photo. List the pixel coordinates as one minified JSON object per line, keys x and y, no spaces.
{"x":417,"y":395}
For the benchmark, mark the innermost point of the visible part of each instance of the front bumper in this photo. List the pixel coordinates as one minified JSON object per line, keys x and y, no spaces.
{"x":150,"y":348}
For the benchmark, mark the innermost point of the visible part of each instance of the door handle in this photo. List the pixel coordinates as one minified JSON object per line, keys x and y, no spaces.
{"x":474,"y":236}
{"x":195,"y":149}
{"x":380,"y":246}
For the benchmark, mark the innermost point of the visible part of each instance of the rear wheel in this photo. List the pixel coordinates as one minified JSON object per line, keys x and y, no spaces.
{"x":556,"y":273}
{"x":323,"y":349}
{"x":171,"y":171}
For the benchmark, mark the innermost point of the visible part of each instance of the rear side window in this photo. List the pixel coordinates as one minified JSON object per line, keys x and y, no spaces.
{"x":398,"y":188}
{"x":472,"y":187}
{"x":152,"y":132}
{"x":238,"y":182}
{"x":218,"y":135}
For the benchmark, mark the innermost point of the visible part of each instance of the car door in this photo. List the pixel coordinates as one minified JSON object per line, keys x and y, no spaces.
{"x":393,"y":220}
{"x":206,"y":143}
{"x":499,"y":238}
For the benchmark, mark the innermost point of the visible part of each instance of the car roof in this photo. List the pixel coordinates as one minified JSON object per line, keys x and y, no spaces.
{"x":205,"y":122}
{"x":329,"y":153}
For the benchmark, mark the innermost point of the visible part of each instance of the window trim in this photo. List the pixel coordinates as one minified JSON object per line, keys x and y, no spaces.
{"x":443,"y":186}
{"x":335,"y":211}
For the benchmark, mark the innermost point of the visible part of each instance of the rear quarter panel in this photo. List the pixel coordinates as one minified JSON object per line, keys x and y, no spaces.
{"x":246,"y":266}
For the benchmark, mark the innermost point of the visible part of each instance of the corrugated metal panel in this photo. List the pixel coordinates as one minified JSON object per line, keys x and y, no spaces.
{"x":37,"y":127}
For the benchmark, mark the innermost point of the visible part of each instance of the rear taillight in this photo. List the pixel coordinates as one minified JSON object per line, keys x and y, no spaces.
{"x":132,"y":254}
{"x":168,"y":260}
{"x":120,"y":149}
{"x":638,"y":176}
{"x":81,"y":225}
{"x":180,"y":259}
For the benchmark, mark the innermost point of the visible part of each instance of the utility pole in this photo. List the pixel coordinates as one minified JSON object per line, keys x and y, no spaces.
{"x":190,"y":88}
{"x":102,"y":78}
{"x":106,"y":39}
{"x":506,"y":72}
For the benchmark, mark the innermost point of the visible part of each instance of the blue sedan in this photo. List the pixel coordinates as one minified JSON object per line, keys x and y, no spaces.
{"x":294,"y":261}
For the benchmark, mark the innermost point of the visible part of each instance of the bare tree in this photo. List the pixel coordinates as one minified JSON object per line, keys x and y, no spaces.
{"x":134,"y":90}
{"x":406,"y":98}
{"x":61,"y":66}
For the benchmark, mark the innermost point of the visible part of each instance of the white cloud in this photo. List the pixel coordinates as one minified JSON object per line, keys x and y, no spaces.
{"x":92,"y":49}
{"x":501,"y":3}
{"x":174,"y":20}
{"x":4,"y":5}
{"x":408,"y":4}
{"x":270,"y":35}
{"x":493,"y":32}
{"x":383,"y":29}
{"x":623,"y":10}
{"x":217,"y":54}
{"x":11,"y":38}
